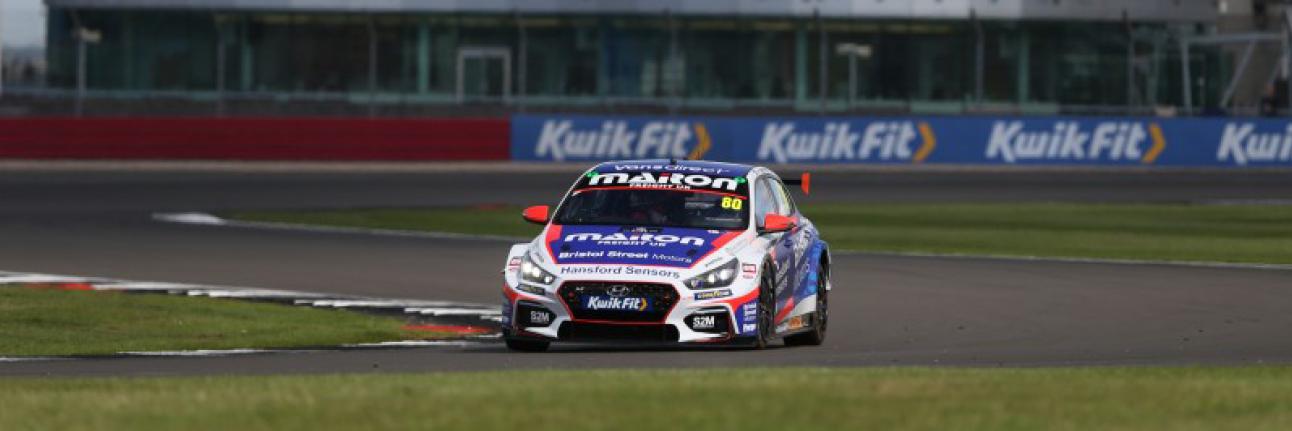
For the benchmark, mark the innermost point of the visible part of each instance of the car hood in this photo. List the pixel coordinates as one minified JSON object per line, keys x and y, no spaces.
{"x":627,"y":245}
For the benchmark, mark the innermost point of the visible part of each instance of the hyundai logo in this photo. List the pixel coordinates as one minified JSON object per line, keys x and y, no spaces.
{"x":618,"y":290}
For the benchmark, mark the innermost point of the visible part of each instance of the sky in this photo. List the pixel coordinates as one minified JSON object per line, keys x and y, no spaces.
{"x":22,"y":23}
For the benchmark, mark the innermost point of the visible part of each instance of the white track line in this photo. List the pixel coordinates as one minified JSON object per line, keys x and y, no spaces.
{"x":189,"y":218}
{"x":190,"y":353}
{"x":204,"y":219}
{"x":453,"y":312}
{"x":485,"y":313}
{"x":41,"y":278}
{"x":382,"y":303}
{"x":4,"y":359}
{"x":255,"y":294}
{"x":143,"y":286}
{"x":474,"y":341}
{"x":298,"y":297}
{"x":415,"y":343}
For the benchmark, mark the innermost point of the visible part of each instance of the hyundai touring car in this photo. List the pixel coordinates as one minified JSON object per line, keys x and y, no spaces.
{"x":672,"y":252}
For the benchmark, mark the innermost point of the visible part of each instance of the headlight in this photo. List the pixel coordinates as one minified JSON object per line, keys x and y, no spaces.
{"x":530,"y":272}
{"x":721,"y":276}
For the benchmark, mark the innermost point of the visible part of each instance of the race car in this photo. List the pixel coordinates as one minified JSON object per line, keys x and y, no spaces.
{"x":669,"y":251}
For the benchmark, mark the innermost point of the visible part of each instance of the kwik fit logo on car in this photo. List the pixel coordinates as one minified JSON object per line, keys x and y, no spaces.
{"x":1075,"y":141}
{"x":577,"y":138}
{"x":598,"y":302}
{"x":845,"y":141}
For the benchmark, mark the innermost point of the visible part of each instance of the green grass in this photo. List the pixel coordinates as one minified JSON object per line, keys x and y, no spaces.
{"x":1237,"y":233}
{"x":1253,"y":234}
{"x":55,"y":322}
{"x":1256,"y":398}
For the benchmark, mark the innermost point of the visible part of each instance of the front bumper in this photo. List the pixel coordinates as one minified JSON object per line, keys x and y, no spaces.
{"x":675,"y":314}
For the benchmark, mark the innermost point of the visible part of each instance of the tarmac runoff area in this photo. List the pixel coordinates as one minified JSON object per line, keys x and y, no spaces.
{"x":886,"y":309}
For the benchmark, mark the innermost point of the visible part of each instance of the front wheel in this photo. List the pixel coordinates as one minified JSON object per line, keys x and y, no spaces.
{"x":817,"y":335}
{"x":766,"y":313}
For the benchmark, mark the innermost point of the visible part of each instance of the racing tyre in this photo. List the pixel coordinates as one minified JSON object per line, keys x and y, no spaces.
{"x":766,"y":313}
{"x":817,"y":335}
{"x":527,"y":345}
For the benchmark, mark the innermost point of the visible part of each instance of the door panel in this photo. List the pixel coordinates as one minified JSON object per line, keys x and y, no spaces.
{"x":782,"y":246}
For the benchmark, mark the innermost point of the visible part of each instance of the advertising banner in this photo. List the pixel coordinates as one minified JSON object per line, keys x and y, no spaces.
{"x":909,"y":140}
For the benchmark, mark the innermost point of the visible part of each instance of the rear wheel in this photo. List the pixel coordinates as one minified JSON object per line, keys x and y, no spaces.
{"x":527,"y":345}
{"x":822,"y":317}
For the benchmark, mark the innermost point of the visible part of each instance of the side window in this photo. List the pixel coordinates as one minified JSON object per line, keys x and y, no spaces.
{"x":783,"y":201}
{"x":764,"y":200}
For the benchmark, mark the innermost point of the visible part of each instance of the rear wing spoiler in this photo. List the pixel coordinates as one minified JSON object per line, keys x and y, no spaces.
{"x":804,"y":181}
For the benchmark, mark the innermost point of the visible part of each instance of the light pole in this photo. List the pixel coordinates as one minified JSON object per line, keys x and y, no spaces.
{"x":853,"y":51}
{"x":1287,"y":54}
{"x":83,"y":36}
{"x":1,"y":51}
{"x":220,"y":59}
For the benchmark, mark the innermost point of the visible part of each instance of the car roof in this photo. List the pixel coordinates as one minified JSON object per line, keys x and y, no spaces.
{"x":666,"y":165}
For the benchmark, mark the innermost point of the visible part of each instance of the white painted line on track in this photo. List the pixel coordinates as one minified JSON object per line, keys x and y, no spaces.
{"x":4,"y":359}
{"x":143,"y":286}
{"x":298,"y":297}
{"x":415,"y":343}
{"x":41,"y":278}
{"x":379,"y":303}
{"x":408,"y":307}
{"x":210,"y":220}
{"x":407,"y":344}
{"x":187,"y":353}
{"x":452,"y":312}
{"x":254,"y":294}
{"x":190,"y":218}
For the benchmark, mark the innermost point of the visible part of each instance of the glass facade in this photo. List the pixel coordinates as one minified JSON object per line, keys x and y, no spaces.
{"x":648,"y":60}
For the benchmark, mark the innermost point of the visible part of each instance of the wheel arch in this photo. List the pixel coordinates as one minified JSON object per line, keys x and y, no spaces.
{"x":821,"y":257}
{"x":824,"y":259}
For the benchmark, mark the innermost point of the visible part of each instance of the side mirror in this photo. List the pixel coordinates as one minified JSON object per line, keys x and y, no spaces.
{"x":537,"y":214}
{"x":776,"y":223}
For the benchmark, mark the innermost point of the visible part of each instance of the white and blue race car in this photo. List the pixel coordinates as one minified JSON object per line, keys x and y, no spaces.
{"x":669,"y":251}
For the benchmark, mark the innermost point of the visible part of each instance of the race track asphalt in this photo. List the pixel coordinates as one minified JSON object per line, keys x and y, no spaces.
{"x":886,"y":310}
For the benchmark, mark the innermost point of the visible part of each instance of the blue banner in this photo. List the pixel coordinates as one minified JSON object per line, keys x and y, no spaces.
{"x":908,"y":140}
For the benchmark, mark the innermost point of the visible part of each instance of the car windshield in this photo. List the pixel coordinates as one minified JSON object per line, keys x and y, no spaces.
{"x":698,"y":209}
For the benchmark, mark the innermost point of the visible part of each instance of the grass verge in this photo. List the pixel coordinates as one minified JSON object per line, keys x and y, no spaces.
{"x":39,"y":322}
{"x":1229,"y":233}
{"x":1253,"y":398}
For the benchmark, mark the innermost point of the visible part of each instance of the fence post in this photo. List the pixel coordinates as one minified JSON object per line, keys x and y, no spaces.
{"x":372,"y":66}
{"x":1187,"y":76}
{"x":823,"y":72}
{"x":980,"y":50}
